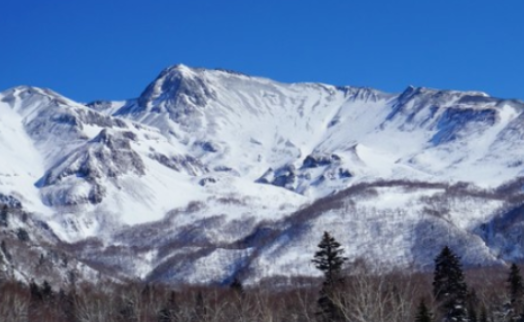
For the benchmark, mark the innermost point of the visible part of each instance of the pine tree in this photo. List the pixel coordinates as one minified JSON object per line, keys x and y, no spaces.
{"x":449,"y":287}
{"x":200,"y":307}
{"x":483,"y":314}
{"x":47,"y":291}
{"x":3,"y":216}
{"x":515,"y":286}
{"x":36,"y":293}
{"x":472,"y":304}
{"x":329,"y":260}
{"x":237,"y":287}
{"x":36,"y":299}
{"x":4,"y":250}
{"x":423,"y":313}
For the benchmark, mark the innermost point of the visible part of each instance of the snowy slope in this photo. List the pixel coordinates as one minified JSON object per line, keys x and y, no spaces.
{"x":211,"y":166}
{"x":253,"y":124}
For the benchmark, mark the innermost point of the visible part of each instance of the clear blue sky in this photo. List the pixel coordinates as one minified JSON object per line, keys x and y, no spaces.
{"x":112,"y":49}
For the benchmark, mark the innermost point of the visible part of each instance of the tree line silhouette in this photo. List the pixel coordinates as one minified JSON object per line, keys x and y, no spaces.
{"x":348,"y":291}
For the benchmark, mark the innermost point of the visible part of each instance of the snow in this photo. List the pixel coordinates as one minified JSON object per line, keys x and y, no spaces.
{"x":20,"y":162}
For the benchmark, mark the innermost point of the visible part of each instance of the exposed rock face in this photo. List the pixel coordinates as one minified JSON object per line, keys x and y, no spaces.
{"x":10,"y":201}
{"x":283,"y":177}
{"x":107,"y":156}
{"x":186,"y":164}
{"x":179,"y":91}
{"x":315,"y":161}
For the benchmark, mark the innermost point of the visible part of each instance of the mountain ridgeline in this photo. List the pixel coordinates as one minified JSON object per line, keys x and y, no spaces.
{"x":211,"y":175}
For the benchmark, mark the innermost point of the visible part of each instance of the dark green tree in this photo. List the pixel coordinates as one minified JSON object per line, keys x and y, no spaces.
{"x":449,"y":288}
{"x":36,"y":293}
{"x":483,"y":314}
{"x":237,"y":287}
{"x":47,"y":291}
{"x":515,"y":286}
{"x":3,"y":216}
{"x":472,"y":304}
{"x":329,"y":260}
{"x":3,"y":248}
{"x":423,"y":313}
{"x":200,"y":312}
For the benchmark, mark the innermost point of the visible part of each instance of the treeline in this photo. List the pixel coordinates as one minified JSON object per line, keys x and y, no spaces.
{"x":357,"y":292}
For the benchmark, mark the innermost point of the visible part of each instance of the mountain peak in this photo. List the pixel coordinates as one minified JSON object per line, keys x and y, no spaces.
{"x":24,"y":91}
{"x":178,"y":89}
{"x":178,"y":69}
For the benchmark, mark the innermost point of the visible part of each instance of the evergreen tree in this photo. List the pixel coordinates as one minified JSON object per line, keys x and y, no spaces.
{"x":515,"y":286}
{"x":200,"y":308}
{"x":47,"y":291}
{"x":472,"y":304}
{"x":449,"y":287}
{"x":483,"y":314}
{"x":3,"y":216}
{"x":4,"y":250}
{"x":329,"y":260}
{"x":423,"y":313}
{"x":236,"y":286}
{"x":36,"y":294}
{"x":36,"y":299}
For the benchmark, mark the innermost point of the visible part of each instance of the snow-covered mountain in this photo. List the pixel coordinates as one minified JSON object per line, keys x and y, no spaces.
{"x":210,"y":174}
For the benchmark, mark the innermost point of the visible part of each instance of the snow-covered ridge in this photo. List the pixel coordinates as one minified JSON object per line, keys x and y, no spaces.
{"x":214,"y":154}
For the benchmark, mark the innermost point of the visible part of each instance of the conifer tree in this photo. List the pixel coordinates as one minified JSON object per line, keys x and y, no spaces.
{"x":472,"y":305}
{"x":483,"y":314}
{"x":423,"y":313}
{"x":449,"y":287}
{"x":329,"y":260}
{"x":3,"y":216}
{"x":515,"y":285}
{"x":200,"y":307}
{"x":47,"y":291}
{"x":237,"y":287}
{"x":36,"y":293}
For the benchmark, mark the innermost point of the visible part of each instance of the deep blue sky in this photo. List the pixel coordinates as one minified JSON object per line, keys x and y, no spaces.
{"x":112,"y":49}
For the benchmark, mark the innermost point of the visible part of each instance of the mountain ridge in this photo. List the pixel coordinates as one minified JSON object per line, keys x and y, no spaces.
{"x":203,"y":160}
